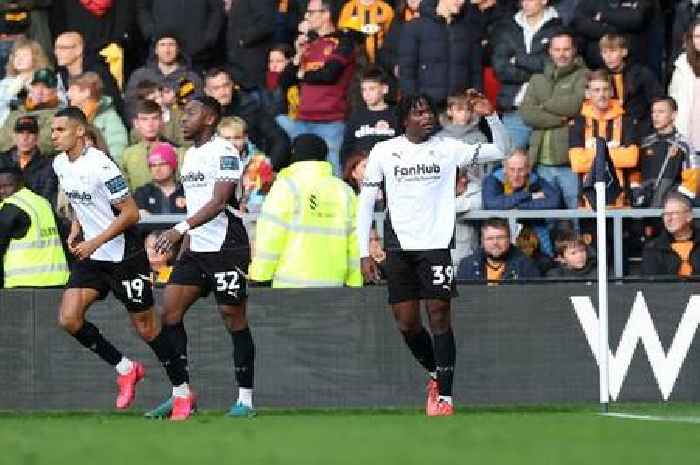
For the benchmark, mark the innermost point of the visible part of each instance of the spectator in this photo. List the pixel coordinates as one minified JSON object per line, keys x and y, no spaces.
{"x":675,"y":251}
{"x":517,"y":186}
{"x":300,"y":246}
{"x":371,"y":17}
{"x":552,"y":100}
{"x":159,"y":261}
{"x":36,"y":168}
{"x":685,"y":87}
{"x":31,"y":254}
{"x":235,"y":130}
{"x":198,"y":23}
{"x":25,"y":58}
{"x":497,"y":259}
{"x":164,"y":194}
{"x":375,"y":121}
{"x":256,"y":182}
{"x":171,"y":129}
{"x":148,"y":125}
{"x":72,"y":61}
{"x":529,"y":243}
{"x":595,"y":18}
{"x":281,"y":95}
{"x":519,"y":51}
{"x":261,"y":127}
{"x":634,"y":85}
{"x":14,"y":24}
{"x":326,"y":66}
{"x":439,"y":54}
{"x":250,"y":35}
{"x":602,"y":116}
{"x":388,"y":56}
{"x":168,"y":66}
{"x":376,"y":252}
{"x":685,"y":12}
{"x":572,"y":258}
{"x":86,"y":93}
{"x":42,"y":103}
{"x":667,"y":162}
{"x":354,"y":170}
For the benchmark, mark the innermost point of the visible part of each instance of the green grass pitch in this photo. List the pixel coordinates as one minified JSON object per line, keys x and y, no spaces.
{"x":665,"y":433}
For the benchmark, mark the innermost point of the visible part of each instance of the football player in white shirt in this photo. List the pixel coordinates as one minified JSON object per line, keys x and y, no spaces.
{"x":418,"y":171}
{"x":110,"y":257}
{"x":214,"y":256}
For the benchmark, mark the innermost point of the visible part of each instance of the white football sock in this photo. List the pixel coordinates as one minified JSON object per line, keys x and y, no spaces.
{"x":124,"y":366}
{"x":447,"y":399}
{"x":245,"y":397}
{"x":182,"y":390}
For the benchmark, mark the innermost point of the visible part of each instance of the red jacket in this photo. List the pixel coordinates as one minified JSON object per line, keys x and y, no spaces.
{"x":328,"y":64}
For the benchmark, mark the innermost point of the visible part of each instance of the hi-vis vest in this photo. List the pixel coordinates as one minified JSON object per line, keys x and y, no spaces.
{"x":306,"y":233}
{"x":37,"y":259}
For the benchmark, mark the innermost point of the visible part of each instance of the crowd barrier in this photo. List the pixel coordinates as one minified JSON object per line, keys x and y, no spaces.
{"x":516,"y":344}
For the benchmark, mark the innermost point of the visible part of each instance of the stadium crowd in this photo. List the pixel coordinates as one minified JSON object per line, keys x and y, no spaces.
{"x":559,"y":73}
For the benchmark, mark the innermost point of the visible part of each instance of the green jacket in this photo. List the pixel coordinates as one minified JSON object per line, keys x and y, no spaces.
{"x":551,"y":100}
{"x":134,"y":164}
{"x":111,"y":127}
{"x":44,"y":117}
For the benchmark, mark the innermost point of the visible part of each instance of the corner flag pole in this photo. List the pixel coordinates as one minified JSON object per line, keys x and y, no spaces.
{"x":603,"y":346}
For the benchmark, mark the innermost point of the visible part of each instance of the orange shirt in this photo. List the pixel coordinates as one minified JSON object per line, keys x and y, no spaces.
{"x":494,"y":274}
{"x":683,"y":249}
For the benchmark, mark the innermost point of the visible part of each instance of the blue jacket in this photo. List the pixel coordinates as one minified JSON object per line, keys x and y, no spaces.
{"x":518,"y":266}
{"x":494,"y":198}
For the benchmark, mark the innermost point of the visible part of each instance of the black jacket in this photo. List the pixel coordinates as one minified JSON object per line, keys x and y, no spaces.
{"x":39,"y":176}
{"x":249,"y":37}
{"x":659,"y":259}
{"x":437,"y":58}
{"x":589,"y":271}
{"x":629,"y":17}
{"x":197,"y":23}
{"x":263,"y":131}
{"x":518,"y":266}
{"x":508,"y":43}
{"x":640,"y":88}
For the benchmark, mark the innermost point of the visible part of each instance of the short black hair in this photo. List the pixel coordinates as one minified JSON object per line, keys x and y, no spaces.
{"x":72,"y":113}
{"x":665,"y":98}
{"x":563,"y":32}
{"x":496,"y":223}
{"x":147,"y":107}
{"x":13,"y":170}
{"x":411,"y":102}
{"x":212,"y":104}
{"x":215,"y":71}
{"x":375,"y":74}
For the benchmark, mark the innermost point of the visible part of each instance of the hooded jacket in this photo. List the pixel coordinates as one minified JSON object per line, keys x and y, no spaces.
{"x":515,"y":60}
{"x":437,"y":58}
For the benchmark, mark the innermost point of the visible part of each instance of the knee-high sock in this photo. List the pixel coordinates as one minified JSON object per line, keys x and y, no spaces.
{"x":243,"y":357}
{"x":164,"y":350}
{"x":422,"y":348}
{"x":176,"y":336}
{"x":89,"y":336}
{"x":445,"y":354}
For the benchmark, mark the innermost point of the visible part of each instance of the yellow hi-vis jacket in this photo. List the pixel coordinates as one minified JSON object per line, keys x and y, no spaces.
{"x":37,"y":259}
{"x":306,"y":233}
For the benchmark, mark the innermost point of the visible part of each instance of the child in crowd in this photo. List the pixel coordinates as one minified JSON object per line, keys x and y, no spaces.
{"x":373,"y":122}
{"x":572,"y":257}
{"x":281,"y":96}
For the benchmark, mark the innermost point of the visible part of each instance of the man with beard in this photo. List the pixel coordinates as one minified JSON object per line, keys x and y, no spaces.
{"x":497,"y":259}
{"x":214,"y":256}
{"x":418,"y":171}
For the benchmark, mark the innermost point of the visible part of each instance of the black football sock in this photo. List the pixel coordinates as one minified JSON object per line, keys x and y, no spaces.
{"x":162,"y":347}
{"x":422,"y":348}
{"x":89,"y":336}
{"x":176,"y":336}
{"x":445,"y":355}
{"x":243,"y":357}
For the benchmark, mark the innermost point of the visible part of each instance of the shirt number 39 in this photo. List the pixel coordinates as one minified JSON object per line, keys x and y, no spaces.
{"x":443,"y":274}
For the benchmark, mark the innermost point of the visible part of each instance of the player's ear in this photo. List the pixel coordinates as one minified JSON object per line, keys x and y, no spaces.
{"x":80,"y":130}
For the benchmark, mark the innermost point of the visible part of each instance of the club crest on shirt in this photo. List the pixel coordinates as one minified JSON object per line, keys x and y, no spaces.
{"x":116,"y":184}
{"x":229,"y":163}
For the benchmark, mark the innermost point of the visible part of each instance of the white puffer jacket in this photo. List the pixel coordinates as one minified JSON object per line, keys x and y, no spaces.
{"x":681,"y":89}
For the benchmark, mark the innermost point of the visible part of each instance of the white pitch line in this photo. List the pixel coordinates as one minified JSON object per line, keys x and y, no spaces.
{"x":631,"y":416}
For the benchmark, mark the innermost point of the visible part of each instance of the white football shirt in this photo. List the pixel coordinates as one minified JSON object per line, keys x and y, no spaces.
{"x":419,"y":180}
{"x":93,"y":183}
{"x":202,"y":167}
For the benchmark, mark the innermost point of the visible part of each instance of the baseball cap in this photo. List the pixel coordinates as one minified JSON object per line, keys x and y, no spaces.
{"x":45,"y":76}
{"x":27,"y":123}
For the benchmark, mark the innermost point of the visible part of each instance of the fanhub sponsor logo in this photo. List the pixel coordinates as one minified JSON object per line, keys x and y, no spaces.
{"x":418,"y":170}
{"x":80,"y":197}
{"x":193,"y":177}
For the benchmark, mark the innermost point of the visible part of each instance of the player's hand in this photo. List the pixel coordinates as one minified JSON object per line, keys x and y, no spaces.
{"x":167,"y":240}
{"x":370,"y":270}
{"x":85,"y":249}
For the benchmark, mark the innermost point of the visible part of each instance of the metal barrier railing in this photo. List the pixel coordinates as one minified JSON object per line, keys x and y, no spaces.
{"x":616,"y":215}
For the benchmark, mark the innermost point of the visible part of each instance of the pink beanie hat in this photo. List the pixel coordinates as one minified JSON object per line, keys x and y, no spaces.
{"x":163,"y":153}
